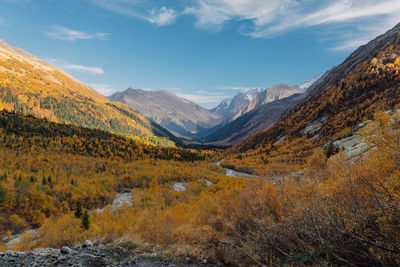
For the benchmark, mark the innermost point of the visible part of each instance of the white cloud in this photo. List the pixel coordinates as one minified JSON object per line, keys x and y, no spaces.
{"x":237,"y":88}
{"x":161,"y":16}
{"x":67,"y":66}
{"x":202,"y":97}
{"x":260,"y":19}
{"x":62,"y":33}
{"x":213,"y":13}
{"x":365,"y":33}
{"x":104,"y":89}
{"x":86,"y":69}
{"x":348,"y":21}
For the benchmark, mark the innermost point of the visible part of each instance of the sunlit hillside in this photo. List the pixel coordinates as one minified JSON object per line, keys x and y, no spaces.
{"x":31,"y":86}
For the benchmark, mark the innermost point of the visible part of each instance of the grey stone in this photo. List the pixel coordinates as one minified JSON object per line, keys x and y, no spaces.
{"x":66,"y":250}
{"x":87,"y":243}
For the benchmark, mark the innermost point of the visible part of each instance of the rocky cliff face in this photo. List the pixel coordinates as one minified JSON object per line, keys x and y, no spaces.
{"x":178,"y":115}
{"x":230,"y":107}
{"x":274,"y":93}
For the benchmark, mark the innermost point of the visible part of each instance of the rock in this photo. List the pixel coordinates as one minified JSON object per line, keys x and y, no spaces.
{"x":314,"y":127}
{"x":102,"y":255}
{"x":66,"y":250}
{"x":87,"y":243}
{"x":179,"y":187}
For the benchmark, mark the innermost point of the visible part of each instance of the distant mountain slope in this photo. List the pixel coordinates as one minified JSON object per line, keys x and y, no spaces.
{"x":228,"y":108}
{"x":261,"y":112}
{"x":32,"y":86}
{"x":178,"y":115}
{"x":28,"y":134}
{"x":268,"y":95}
{"x":367,"y":81}
{"x":256,"y":120}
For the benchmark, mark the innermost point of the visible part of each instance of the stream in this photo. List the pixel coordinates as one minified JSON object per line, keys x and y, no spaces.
{"x":233,"y":173}
{"x":119,"y":201}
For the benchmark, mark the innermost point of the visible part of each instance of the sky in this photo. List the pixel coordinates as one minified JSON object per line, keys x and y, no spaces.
{"x":202,"y":50}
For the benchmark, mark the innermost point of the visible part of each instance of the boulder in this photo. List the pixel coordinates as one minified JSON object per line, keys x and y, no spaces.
{"x":66,"y":250}
{"x":87,"y":243}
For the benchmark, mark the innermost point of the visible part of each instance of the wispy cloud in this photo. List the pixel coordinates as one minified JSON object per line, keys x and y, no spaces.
{"x":66,"y":34}
{"x":86,"y":69}
{"x":259,"y":19}
{"x":237,"y":88}
{"x":67,"y":66}
{"x":349,"y":21}
{"x":203,"y":97}
{"x":104,"y":89}
{"x":140,"y":9}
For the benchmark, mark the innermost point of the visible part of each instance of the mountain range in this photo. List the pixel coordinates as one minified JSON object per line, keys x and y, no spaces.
{"x":30,"y":85}
{"x":220,"y":125}
{"x":260,"y":113}
{"x":55,"y":95}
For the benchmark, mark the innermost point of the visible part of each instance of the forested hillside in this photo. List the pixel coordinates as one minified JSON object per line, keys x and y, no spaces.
{"x":48,"y":168}
{"x":31,"y":86}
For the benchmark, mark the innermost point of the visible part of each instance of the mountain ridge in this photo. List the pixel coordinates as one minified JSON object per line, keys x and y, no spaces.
{"x":261,"y":112}
{"x":367,"y":81}
{"x":177,"y":114}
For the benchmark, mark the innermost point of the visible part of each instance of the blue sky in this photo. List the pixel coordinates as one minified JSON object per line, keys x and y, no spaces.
{"x":203,"y":50}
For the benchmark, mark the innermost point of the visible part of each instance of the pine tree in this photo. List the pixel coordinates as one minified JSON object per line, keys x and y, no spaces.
{"x":85,"y":220}
{"x":3,"y":194}
{"x":78,"y":211}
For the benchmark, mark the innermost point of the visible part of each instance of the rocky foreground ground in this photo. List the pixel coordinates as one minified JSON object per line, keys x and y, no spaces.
{"x":88,"y":255}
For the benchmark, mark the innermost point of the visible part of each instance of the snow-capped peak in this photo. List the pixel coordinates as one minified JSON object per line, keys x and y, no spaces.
{"x":252,"y":93}
{"x":309,"y":83}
